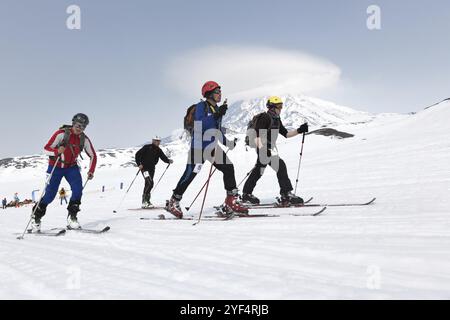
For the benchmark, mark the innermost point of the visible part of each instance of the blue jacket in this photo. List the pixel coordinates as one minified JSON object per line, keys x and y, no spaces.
{"x":204,"y":113}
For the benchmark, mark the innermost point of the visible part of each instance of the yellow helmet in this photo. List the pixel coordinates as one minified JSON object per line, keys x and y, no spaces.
{"x":273,"y":101}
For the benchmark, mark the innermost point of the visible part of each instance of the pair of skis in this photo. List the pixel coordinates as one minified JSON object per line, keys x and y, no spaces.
{"x":221,"y":216}
{"x":56,"y":232}
{"x":307,"y":204}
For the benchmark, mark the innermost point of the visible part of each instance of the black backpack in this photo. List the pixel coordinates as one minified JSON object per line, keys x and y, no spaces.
{"x":250,"y":135}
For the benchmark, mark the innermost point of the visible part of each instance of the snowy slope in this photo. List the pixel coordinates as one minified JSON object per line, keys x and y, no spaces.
{"x":397,"y":248}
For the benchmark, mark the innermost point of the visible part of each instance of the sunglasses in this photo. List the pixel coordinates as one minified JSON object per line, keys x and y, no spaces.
{"x":217,"y":91}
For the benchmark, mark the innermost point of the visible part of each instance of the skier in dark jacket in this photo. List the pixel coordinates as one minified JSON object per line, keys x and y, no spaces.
{"x":4,"y":203}
{"x":268,"y":126}
{"x":147,"y":158}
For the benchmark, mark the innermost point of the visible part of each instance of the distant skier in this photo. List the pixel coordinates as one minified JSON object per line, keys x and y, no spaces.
{"x":209,"y":115}
{"x":4,"y":203}
{"x":63,"y":195}
{"x":146,"y":159}
{"x":16,"y":200}
{"x":67,"y":143}
{"x":266,"y":145}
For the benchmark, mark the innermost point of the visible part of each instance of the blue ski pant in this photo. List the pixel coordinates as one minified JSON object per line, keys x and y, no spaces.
{"x":72,"y":176}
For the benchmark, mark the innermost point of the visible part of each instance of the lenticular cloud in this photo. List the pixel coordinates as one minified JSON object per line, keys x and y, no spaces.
{"x":246,"y":72}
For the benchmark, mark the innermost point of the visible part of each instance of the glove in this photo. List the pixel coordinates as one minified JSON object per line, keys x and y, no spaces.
{"x":303,"y":128}
{"x":221,"y":111}
{"x":170,"y":161}
{"x":90,"y":176}
{"x":269,"y":153}
{"x":61,"y":150}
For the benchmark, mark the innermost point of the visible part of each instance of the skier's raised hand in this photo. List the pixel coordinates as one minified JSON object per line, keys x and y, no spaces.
{"x":303,"y":128}
{"x":90,"y":176}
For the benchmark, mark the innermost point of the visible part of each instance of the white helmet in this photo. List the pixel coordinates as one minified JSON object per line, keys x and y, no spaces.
{"x":156,"y":138}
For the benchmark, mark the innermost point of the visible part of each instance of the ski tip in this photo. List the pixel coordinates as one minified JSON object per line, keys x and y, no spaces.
{"x":321,"y":211}
{"x":371,"y":201}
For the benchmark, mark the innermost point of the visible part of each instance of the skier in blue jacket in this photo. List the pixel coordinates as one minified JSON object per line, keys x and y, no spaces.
{"x":204,"y":146}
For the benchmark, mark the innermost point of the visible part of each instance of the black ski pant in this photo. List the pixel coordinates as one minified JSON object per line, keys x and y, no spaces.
{"x":148,"y":176}
{"x":224,"y":165}
{"x":278,"y":165}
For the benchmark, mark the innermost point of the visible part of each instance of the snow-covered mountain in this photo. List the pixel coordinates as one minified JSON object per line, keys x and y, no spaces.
{"x":297,"y":110}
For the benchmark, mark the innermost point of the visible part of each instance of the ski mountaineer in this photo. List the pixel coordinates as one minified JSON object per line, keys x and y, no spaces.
{"x":62,"y":195}
{"x":146,"y":159}
{"x":67,"y":143}
{"x":204,"y":146}
{"x":16,"y":200}
{"x":267,"y":126}
{"x":4,"y":202}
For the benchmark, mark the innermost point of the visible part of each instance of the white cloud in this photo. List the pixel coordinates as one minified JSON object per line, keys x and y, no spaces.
{"x":246,"y":72}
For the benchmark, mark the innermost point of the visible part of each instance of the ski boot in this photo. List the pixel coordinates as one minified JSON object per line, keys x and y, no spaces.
{"x":39,"y":212}
{"x":288,"y":198}
{"x":233,"y":205}
{"x":146,"y":205}
{"x":173,"y":206}
{"x":249,"y":198}
{"x":72,"y":220}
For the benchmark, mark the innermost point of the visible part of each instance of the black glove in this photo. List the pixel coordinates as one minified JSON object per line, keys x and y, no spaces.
{"x":303,"y":128}
{"x":221,"y":111}
{"x":269,"y":153}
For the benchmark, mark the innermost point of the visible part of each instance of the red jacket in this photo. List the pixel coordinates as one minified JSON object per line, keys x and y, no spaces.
{"x":70,"y":155}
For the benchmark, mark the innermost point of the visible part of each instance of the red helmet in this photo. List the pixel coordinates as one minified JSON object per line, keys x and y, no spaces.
{"x":209,"y":86}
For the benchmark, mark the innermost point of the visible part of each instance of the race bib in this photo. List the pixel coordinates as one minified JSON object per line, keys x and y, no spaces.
{"x":197,"y":168}
{"x":274,"y":152}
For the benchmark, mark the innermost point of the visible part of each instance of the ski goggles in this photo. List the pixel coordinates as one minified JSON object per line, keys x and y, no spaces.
{"x":217,"y":91}
{"x":79,"y":126}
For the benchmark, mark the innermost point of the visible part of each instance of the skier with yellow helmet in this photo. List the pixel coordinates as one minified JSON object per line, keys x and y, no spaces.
{"x":267,"y":126}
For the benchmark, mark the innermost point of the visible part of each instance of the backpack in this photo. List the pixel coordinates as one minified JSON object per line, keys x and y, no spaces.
{"x":250,"y":135}
{"x":66,"y":138}
{"x":188,"y":123}
{"x":65,"y":142}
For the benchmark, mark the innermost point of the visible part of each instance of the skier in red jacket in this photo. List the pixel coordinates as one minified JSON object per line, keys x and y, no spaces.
{"x":63,"y":150}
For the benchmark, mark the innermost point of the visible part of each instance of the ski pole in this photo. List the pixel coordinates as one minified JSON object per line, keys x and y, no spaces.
{"x":123,"y":198}
{"x":161,"y":177}
{"x":204,"y":196}
{"x":84,"y":186}
{"x":42,"y":195}
{"x":204,"y":185}
{"x":299,"y":163}
{"x":246,"y":176}
{"x":198,"y":194}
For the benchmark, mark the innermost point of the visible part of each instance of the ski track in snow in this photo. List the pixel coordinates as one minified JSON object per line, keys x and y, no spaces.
{"x":396,"y":248}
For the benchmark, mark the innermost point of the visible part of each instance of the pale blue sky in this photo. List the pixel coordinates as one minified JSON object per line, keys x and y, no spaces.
{"x":115,"y":68}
